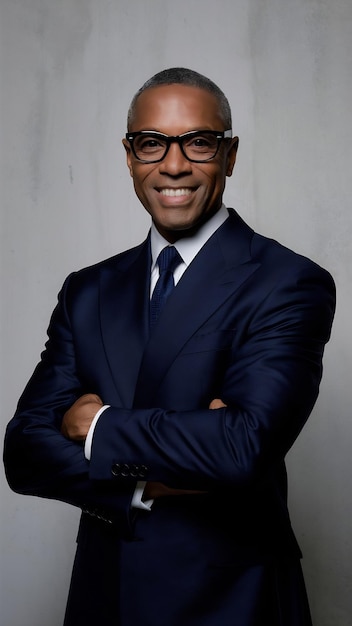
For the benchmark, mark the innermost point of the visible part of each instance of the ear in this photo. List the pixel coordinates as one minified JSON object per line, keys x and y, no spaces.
{"x":128,"y":155}
{"x":231,"y":156}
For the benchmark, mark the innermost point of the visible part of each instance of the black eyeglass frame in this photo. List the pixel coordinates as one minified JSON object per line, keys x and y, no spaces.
{"x":219,"y":134}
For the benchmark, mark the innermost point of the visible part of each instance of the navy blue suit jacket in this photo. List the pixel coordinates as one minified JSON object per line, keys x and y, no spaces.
{"x":246,"y":323}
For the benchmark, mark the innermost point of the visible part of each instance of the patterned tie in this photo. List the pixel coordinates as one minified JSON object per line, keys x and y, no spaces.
{"x":167,"y":261}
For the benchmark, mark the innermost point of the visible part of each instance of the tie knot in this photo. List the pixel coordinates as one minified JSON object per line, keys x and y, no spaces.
{"x":168,"y":259}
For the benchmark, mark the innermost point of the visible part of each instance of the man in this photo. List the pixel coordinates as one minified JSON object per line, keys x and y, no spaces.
{"x":165,"y":412}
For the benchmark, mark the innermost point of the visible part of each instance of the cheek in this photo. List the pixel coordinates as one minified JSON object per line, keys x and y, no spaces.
{"x":141,"y":178}
{"x":213,"y":177}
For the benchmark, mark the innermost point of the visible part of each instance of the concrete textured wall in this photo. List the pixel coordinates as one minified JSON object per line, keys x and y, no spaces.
{"x":68,"y":69}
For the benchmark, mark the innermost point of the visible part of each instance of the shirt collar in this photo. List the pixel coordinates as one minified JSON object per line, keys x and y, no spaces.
{"x":188,"y":247}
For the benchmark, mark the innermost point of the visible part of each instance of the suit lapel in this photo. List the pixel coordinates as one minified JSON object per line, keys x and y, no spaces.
{"x":222,"y":265}
{"x":124,"y":301}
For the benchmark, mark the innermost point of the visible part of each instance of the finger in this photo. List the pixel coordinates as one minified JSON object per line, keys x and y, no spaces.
{"x":217,"y":403}
{"x":90,"y":397}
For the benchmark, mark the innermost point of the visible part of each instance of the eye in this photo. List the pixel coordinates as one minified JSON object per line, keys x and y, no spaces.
{"x":149,"y":144}
{"x":201,"y":143}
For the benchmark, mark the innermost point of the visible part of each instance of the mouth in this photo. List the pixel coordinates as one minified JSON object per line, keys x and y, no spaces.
{"x":171,"y":192}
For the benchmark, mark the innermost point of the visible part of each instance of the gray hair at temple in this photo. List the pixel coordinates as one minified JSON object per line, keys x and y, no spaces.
{"x":184,"y":76}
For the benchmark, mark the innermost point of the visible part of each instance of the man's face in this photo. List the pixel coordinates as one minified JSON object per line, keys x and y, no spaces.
{"x":179,"y":195}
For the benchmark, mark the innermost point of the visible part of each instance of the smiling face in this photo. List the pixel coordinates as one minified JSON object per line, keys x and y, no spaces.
{"x":179,"y":195}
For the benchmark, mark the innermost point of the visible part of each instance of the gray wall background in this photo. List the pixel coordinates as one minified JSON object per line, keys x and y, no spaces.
{"x":68,"y":71}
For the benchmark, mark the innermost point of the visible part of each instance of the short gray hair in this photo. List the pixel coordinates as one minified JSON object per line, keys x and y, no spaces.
{"x":184,"y":76}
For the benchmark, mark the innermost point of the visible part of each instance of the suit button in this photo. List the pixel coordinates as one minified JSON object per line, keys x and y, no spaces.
{"x":134,"y":471}
{"x":142,"y":471}
{"x":125,"y":470}
{"x":116,"y":469}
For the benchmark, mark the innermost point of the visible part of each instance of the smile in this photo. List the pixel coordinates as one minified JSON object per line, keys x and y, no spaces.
{"x":173,"y":193}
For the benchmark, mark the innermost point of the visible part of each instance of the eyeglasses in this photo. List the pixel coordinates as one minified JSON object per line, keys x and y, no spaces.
{"x":197,"y":146}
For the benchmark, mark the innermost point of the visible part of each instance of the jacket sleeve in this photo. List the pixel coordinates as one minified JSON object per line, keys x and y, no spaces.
{"x":39,"y":460}
{"x":270,"y":385}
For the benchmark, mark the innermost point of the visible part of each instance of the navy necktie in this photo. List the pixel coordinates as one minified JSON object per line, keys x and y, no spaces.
{"x":167,"y":261}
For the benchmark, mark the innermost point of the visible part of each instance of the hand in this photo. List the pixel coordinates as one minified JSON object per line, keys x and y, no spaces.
{"x":217,"y":404}
{"x":155,"y":490}
{"x":78,"y":418}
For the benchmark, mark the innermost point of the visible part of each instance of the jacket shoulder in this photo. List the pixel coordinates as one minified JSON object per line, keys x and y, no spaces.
{"x":118,"y":263}
{"x":275,"y":254}
{"x":274,"y":258}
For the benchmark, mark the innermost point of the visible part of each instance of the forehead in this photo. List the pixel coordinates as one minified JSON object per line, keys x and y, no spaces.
{"x":176,"y":109}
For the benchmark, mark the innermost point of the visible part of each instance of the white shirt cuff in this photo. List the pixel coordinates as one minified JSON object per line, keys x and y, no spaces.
{"x":89,"y":438}
{"x":137,"y":497}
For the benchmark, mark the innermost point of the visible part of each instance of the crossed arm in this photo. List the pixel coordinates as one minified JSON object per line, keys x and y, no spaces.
{"x":269,"y":386}
{"x":78,"y":419}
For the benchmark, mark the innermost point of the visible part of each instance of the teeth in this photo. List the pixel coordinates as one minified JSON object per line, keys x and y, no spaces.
{"x":175,"y":192}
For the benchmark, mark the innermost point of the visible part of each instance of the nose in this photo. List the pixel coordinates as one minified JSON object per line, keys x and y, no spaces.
{"x":175,"y":163}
